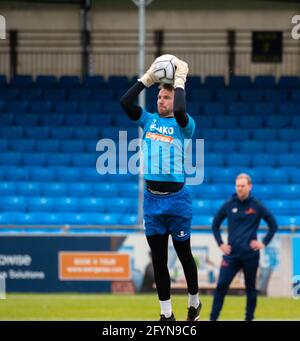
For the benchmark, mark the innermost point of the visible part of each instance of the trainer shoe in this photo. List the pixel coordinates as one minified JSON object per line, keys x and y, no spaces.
{"x":164,"y":318}
{"x":194,"y":313}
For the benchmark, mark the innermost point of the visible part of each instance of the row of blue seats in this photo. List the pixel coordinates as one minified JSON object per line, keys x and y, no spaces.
{"x":210,"y":159}
{"x":130,"y":190}
{"x":200,"y":95}
{"x":68,"y":204}
{"x":121,"y":205}
{"x":94,"y":133}
{"x":113,"y":108}
{"x":239,"y":81}
{"x":121,"y":121}
{"x":89,"y":146}
{"x":89,"y":174}
{"x":48,"y":218}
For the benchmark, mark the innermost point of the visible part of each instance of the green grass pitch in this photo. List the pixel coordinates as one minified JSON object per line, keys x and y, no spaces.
{"x":106,"y":307}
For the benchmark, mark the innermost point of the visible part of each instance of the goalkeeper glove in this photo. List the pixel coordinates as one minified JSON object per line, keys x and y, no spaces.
{"x":181,"y":72}
{"x":149,"y":78}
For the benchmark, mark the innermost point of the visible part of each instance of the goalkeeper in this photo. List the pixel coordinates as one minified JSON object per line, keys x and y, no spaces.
{"x":167,"y":204}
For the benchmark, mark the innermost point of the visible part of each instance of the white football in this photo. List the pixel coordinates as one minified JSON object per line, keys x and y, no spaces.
{"x":164,"y":68}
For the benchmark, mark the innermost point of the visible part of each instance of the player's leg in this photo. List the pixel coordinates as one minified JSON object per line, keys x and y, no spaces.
{"x":184,"y":252}
{"x":159,"y":250}
{"x":229,"y":268}
{"x":250,"y":267}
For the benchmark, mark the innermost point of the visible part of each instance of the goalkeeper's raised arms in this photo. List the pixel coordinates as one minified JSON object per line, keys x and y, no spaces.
{"x":181,"y":72}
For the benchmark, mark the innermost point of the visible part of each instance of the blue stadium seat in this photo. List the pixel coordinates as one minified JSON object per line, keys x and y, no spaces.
{"x":30,"y":94}
{"x":263,"y":109}
{"x":40,"y":204}
{"x":278,"y":121}
{"x":112,"y":107}
{"x":41,"y":174}
{"x":288,"y":221}
{"x":91,"y":133}
{"x":238,"y":109}
{"x":67,"y":81}
{"x":295,"y":95}
{"x":264,"y":159}
{"x":3,"y":81}
{"x":214,"y":82}
{"x":227,"y":95}
{"x":295,"y":122}
{"x":58,"y":159}
{"x":28,"y":189}
{"x":127,"y":190}
{"x":72,"y":146}
{"x":256,"y":174}
{"x":15,"y":173}
{"x":275,"y":176}
{"x":40,"y":107}
{"x":22,"y":81}
{"x":79,"y":94}
{"x":80,"y":189}
{"x":91,"y":204}
{"x":123,"y":121}
{"x":26,"y":120}
{"x":78,"y":120}
{"x":202,"y":207}
{"x":9,"y":218}
{"x":211,"y":134}
{"x":237,"y":134}
{"x":84,"y":160}
{"x":103,"y":94}
{"x":201,"y":95}
{"x":262,"y":192}
{"x":289,"y":82}
{"x":110,"y":133}
{"x":45,"y":81}
{"x":117,"y":81}
{"x":295,"y":147}
{"x":61,"y":133}
{"x":54,"y":189}
{"x":4,"y":146}
{"x":66,"y":204}
{"x":251,"y":95}
{"x":8,"y":94}
{"x":202,"y":220}
{"x":37,"y":132}
{"x":109,"y":219}
{"x":90,"y":107}
{"x":249,"y":122}
{"x":120,"y":205}
{"x":47,"y":146}
{"x":7,"y":188}
{"x":128,"y":219}
{"x":93,"y":81}
{"x":240,"y":82}
{"x":290,"y":135}
{"x":250,"y":147}
{"x":276,"y":147}
{"x":225,"y":122}
{"x":90,"y":174}
{"x":65,"y":107}
{"x":279,"y":207}
{"x":209,"y":191}
{"x":10,"y":158}
{"x":287,"y":191}
{"x":11,"y":132}
{"x":55,"y":94}
{"x":22,"y":145}
{"x":223,"y":175}
{"x":223,"y":146}
{"x":67,"y":174}
{"x":264,"y":82}
{"x":294,"y":207}
{"x":214,"y":109}
{"x":289,"y":160}
{"x":265,"y":134}
{"x":12,"y":203}
{"x":275,"y":95}
{"x":17,"y":107}
{"x":289,"y":108}
{"x":98,"y":120}
{"x":193,"y":82}
{"x":34,"y":159}
{"x":238,"y":159}
{"x":203,"y":122}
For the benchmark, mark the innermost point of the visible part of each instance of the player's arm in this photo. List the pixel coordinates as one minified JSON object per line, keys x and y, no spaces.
{"x":272,"y":224}
{"x":217,"y":221}
{"x":127,"y":101}
{"x":179,"y":108}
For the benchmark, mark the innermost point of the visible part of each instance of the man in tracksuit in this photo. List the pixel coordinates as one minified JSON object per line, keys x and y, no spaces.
{"x":243,"y":213}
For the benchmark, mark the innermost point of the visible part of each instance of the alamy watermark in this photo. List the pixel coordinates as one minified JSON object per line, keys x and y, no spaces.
{"x":295,"y":33}
{"x":159,"y":155}
{"x":2,"y":27}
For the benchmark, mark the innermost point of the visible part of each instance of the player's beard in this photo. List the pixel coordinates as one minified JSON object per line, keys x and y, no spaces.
{"x":165,"y":112}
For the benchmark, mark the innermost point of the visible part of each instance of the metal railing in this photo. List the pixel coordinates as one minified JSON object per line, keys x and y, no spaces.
{"x":115,"y":52}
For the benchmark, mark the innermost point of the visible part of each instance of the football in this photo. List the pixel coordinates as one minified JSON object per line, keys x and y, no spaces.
{"x":164,"y":68}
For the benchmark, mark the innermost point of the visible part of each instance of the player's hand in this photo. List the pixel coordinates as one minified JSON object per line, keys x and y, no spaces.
{"x":181,"y":72}
{"x":149,"y":78}
{"x":226,"y":249}
{"x":256,"y":245}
